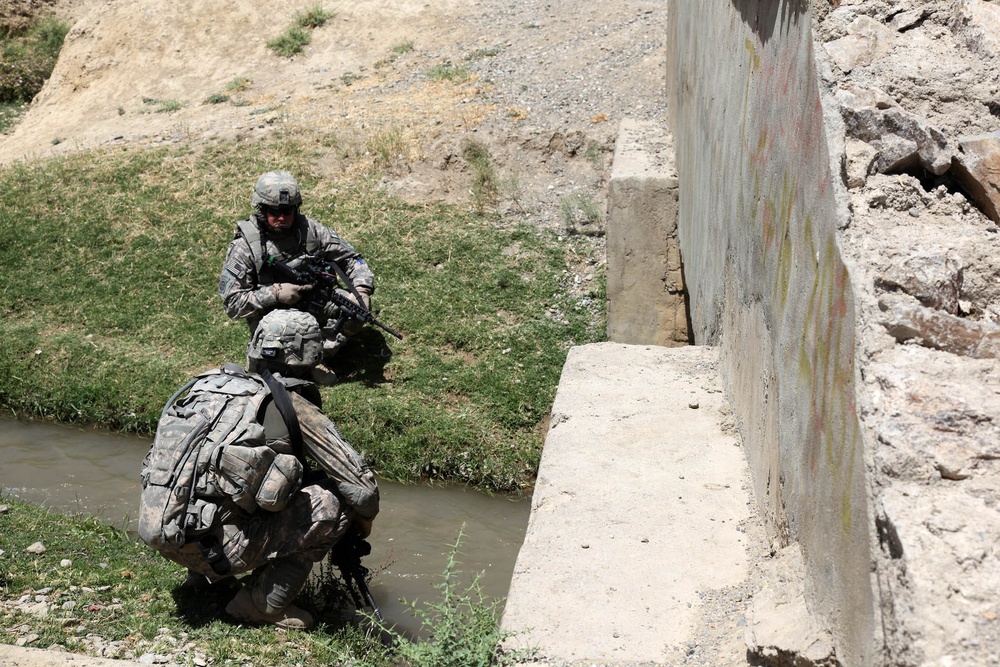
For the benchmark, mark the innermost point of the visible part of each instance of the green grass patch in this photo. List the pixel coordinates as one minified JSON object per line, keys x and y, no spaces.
{"x":27,"y":59}
{"x":448,"y":72}
{"x":294,"y":40}
{"x":109,"y":304}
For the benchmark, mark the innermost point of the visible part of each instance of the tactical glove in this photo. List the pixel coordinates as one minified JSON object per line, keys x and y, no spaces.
{"x":289,"y":293}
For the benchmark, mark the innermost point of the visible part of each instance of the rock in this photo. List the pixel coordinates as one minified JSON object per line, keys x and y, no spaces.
{"x":907,"y":320}
{"x":867,"y":40}
{"x":37,"y":548}
{"x":977,"y":168}
{"x":859,"y":162}
{"x":903,"y":140}
{"x":977,"y":23}
{"x":934,"y":280}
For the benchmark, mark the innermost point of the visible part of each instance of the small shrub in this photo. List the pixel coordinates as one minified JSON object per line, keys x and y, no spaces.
{"x":290,"y":43}
{"x":314,"y":17}
{"x":462,"y":629}
{"x":216,"y":98}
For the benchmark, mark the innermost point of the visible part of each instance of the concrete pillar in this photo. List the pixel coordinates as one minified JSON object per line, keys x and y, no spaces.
{"x":645,"y":283}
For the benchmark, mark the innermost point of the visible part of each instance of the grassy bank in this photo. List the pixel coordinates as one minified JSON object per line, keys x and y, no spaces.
{"x":82,"y":586}
{"x":110,"y":264}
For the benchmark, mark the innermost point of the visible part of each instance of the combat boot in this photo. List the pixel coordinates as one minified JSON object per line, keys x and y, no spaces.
{"x":242,"y":608}
{"x":268,"y":599}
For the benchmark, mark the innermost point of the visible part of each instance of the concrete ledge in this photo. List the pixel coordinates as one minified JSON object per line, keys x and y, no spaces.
{"x":645,"y":282}
{"x":642,"y":534}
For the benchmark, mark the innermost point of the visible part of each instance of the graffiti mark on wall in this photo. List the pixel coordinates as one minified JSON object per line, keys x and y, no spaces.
{"x":791,"y":211}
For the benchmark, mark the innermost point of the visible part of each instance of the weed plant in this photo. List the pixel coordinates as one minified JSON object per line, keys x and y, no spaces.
{"x":485,"y":185}
{"x":111,"y":261}
{"x":94,"y":580}
{"x":460,"y":629}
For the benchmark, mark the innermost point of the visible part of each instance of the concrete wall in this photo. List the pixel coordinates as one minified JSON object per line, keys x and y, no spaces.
{"x":757,"y":224}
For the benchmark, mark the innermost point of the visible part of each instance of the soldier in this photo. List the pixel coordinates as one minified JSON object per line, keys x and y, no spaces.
{"x":226,"y":485}
{"x":248,"y":286}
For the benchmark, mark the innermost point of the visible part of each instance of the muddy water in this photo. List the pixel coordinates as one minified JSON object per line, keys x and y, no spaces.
{"x":95,"y":472}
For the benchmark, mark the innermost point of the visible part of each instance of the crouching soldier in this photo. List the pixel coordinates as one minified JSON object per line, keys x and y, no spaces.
{"x":227,"y":486}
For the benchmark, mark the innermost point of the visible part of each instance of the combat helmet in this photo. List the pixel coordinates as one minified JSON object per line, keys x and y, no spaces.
{"x":277,"y":189}
{"x":286,"y":341}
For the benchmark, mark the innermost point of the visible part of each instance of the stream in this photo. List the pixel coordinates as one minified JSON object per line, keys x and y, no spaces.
{"x":83,"y":470}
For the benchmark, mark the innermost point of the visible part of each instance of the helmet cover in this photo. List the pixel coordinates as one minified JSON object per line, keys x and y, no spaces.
{"x":277,"y":189}
{"x":289,"y":338}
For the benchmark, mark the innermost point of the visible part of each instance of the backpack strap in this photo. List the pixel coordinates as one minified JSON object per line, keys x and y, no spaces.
{"x":251,"y":233}
{"x":283,"y":401}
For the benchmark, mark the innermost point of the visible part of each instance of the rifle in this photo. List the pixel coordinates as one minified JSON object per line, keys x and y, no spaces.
{"x":346,"y":555}
{"x":317,"y":273}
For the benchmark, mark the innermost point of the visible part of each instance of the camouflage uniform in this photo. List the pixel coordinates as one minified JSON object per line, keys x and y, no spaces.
{"x":244,"y":507}
{"x":247,"y":284}
{"x":246,"y":289}
{"x":314,"y":519}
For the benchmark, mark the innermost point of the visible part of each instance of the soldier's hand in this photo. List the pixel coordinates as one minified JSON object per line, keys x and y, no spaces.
{"x":364,"y":526}
{"x":366,"y":298}
{"x":289,"y":293}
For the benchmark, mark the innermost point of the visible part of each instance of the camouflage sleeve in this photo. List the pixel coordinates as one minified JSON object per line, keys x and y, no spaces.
{"x":335,"y":249}
{"x":241,"y":296}
{"x":354,"y":480}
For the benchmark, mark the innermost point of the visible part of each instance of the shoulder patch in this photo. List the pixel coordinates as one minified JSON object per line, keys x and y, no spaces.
{"x":234,"y":268}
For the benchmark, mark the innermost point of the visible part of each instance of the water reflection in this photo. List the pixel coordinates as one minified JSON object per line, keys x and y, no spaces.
{"x":91,"y":471}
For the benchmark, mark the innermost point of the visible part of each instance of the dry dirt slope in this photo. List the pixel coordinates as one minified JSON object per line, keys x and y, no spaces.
{"x":550,"y":82}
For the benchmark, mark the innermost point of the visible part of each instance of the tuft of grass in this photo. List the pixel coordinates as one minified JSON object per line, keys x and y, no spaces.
{"x":240,"y":84}
{"x":403,"y":47}
{"x":290,"y":43}
{"x":314,"y":17}
{"x":581,"y":215}
{"x":387,"y":146}
{"x":216,"y":98}
{"x":162,"y":106}
{"x":485,"y":183}
{"x":448,"y":72}
{"x":294,"y":40}
{"x":394,"y":53}
{"x":479,"y":54}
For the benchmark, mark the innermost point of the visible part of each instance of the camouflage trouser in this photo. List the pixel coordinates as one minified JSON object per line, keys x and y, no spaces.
{"x":308,"y":527}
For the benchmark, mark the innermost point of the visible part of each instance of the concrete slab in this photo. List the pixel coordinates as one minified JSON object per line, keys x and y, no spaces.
{"x":643,"y":534}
